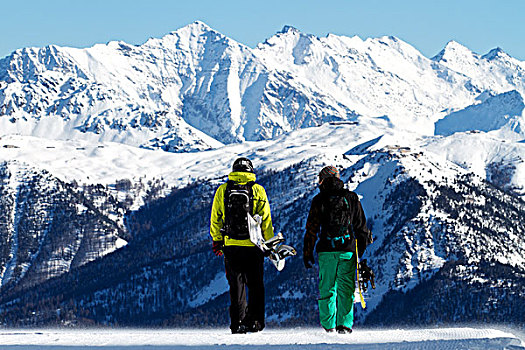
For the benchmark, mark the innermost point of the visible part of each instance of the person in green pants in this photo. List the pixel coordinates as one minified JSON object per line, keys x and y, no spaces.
{"x":335,"y":221}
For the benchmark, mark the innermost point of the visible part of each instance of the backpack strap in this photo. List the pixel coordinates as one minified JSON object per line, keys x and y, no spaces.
{"x":250,"y":187}
{"x":229,"y":185}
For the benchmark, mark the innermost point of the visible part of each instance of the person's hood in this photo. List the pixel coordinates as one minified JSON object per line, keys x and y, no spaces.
{"x":241,"y":177}
{"x":331,"y":184}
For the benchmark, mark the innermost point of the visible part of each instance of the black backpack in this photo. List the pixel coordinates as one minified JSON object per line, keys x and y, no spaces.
{"x":335,"y":218}
{"x":238,"y":202}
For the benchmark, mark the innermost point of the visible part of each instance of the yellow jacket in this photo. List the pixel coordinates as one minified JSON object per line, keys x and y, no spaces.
{"x":261,"y":206}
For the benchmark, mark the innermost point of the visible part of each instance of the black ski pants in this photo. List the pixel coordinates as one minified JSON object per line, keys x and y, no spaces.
{"x":245,"y":268}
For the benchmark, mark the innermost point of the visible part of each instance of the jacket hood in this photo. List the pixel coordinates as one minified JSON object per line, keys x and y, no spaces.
{"x":241,"y":177}
{"x":331,"y":184}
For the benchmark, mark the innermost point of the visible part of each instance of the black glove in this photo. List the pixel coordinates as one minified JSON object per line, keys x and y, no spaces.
{"x":217,"y":247}
{"x":308,"y":260}
{"x":367,"y":275}
{"x":267,"y":252}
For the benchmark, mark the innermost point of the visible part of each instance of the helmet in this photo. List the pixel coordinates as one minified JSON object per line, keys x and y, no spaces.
{"x":328,"y":171}
{"x":243,"y":164}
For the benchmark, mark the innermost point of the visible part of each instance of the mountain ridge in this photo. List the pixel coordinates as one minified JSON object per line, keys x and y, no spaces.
{"x":221,"y":91}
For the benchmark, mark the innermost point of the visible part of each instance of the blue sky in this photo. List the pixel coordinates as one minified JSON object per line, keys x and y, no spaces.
{"x":426,"y":24}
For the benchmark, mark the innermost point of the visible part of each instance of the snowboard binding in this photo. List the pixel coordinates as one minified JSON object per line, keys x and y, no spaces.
{"x":367,"y":276}
{"x":277,"y":252}
{"x":272,"y":248}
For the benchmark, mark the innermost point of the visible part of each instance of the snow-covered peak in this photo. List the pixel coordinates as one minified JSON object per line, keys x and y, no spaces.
{"x":289,"y":44}
{"x":196,"y":26}
{"x":503,"y":59}
{"x":454,"y":51}
{"x":393,"y":42}
{"x":342,"y":42}
{"x":289,"y":28}
{"x":192,"y":32}
{"x":191,"y":39}
{"x":492,"y":114}
{"x":495,"y":53}
{"x":496,"y":71}
{"x":392,"y":52}
{"x":27,"y":64}
{"x":458,"y":58}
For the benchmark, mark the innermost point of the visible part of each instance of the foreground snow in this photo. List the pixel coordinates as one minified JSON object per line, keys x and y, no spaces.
{"x":299,"y":338}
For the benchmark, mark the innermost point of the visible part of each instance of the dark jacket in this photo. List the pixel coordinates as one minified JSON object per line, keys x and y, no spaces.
{"x":357,"y":226}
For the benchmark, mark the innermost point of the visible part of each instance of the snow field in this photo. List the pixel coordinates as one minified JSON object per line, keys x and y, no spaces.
{"x":297,"y":338}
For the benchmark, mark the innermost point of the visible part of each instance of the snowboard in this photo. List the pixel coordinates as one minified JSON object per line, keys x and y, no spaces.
{"x":273,"y":248}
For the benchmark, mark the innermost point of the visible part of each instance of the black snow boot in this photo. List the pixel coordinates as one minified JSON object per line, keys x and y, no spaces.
{"x":343,"y":330}
{"x":254,"y":327}
{"x":238,"y":329}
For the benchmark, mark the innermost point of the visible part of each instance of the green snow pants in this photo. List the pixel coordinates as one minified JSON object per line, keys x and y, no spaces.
{"x":336,"y":289}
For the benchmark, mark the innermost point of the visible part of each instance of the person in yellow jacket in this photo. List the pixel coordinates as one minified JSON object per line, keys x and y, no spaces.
{"x":243,"y":261}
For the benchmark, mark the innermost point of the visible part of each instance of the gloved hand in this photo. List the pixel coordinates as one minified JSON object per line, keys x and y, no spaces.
{"x":266,"y":253}
{"x":308,"y":260}
{"x":217,"y":247}
{"x":367,"y":275}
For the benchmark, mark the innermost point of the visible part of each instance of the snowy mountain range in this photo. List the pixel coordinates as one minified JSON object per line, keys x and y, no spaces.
{"x":196,"y":89}
{"x":111,"y":155}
